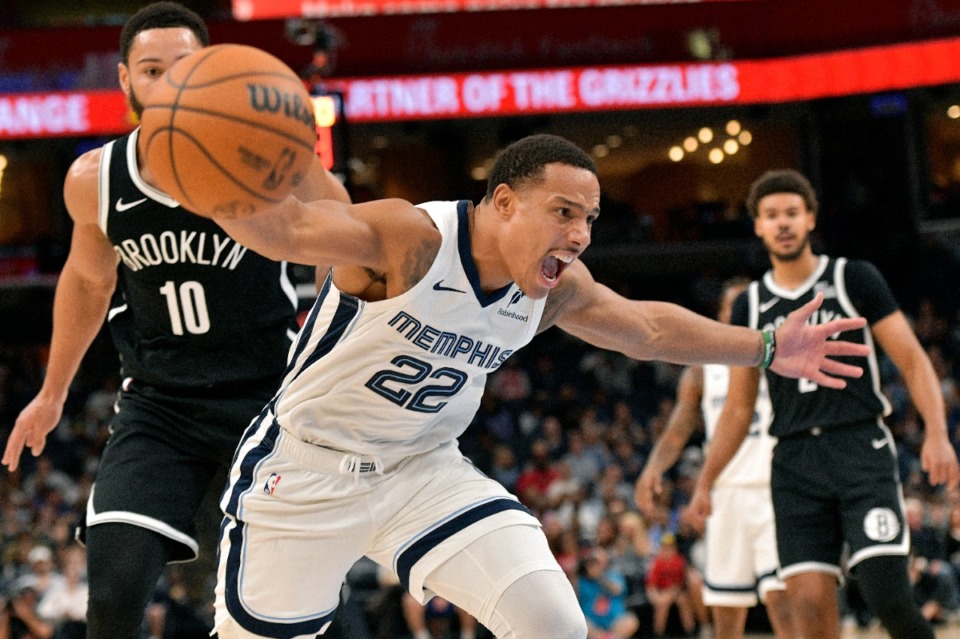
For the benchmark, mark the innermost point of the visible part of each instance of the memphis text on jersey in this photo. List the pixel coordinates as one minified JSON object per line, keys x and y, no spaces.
{"x":452,"y":345}
{"x":187,"y":247}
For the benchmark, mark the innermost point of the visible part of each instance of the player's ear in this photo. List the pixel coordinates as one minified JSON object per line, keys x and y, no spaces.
{"x":503,"y":200}
{"x":123,"y":75}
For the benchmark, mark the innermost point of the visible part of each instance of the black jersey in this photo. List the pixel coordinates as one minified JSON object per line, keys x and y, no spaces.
{"x":192,"y":308}
{"x":850,"y":289}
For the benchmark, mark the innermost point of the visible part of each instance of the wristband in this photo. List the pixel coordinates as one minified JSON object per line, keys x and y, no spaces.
{"x":769,"y":347}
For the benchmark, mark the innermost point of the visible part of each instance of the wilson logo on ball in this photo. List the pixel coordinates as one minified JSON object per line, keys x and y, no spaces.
{"x":272,"y":100}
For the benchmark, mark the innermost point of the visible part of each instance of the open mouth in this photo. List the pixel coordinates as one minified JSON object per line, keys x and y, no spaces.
{"x":553,"y":266}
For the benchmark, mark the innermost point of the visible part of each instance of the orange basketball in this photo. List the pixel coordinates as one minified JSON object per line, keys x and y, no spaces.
{"x":229,"y":130}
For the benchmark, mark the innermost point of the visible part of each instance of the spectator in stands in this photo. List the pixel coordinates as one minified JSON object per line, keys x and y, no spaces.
{"x":667,"y":587}
{"x":535,"y":480}
{"x":19,"y":618}
{"x":602,"y":591}
{"x":64,"y":604}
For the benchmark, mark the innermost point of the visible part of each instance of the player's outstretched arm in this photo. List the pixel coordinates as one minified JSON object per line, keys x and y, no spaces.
{"x":662,"y":331}
{"x":685,"y":418}
{"x":80,"y":305}
{"x":373,"y":234}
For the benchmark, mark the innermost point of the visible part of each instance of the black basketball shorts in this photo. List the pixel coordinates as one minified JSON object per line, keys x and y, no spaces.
{"x":164,"y":450}
{"x":836,"y":486}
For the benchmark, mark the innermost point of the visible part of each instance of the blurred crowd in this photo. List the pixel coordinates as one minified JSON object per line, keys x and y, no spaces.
{"x":565,"y":427}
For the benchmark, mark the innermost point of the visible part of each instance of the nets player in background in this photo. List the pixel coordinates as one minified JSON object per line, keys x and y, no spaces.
{"x":202,"y":324}
{"x":357,"y":454}
{"x":741,"y":544}
{"x":834,"y":477}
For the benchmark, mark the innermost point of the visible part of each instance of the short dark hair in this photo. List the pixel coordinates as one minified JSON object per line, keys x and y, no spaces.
{"x":525,"y":159}
{"x":161,"y":15}
{"x":781,"y":181}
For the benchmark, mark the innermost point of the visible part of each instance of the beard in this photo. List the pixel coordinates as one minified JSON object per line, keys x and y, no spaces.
{"x":135,"y":104}
{"x":790,"y":256}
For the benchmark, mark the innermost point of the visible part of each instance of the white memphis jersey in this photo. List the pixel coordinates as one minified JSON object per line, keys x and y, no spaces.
{"x":751,"y":465}
{"x":403,"y":375}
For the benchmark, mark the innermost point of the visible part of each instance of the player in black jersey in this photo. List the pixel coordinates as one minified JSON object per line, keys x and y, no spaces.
{"x":202,"y":324}
{"x":834,"y":476}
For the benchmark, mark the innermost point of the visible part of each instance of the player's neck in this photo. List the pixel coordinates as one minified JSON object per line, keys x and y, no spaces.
{"x":790,"y":274}
{"x":491,"y":269}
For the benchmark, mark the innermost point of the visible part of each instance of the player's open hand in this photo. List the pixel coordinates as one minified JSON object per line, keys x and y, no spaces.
{"x":939,"y":460}
{"x":31,"y":429}
{"x":805,"y":350}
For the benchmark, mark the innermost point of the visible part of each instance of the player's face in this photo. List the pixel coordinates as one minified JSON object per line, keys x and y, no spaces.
{"x":152,"y":52}
{"x":549,"y":225}
{"x":784,"y":224}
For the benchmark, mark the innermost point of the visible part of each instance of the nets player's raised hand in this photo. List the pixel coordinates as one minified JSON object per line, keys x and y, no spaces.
{"x":806,"y":350}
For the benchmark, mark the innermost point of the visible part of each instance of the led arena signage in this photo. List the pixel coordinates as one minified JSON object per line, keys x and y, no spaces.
{"x":563,"y":90}
{"x":584,"y":89}
{"x":273,"y":9}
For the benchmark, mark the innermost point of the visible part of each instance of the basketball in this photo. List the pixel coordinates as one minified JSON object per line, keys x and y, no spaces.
{"x":228,"y":131}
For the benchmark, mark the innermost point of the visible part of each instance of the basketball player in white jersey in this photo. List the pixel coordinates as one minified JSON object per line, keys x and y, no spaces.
{"x":357,"y":454}
{"x":741,"y":542}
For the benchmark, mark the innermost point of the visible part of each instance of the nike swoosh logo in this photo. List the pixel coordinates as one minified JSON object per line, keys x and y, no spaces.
{"x":440,"y":287}
{"x":123,"y":206}
{"x":878,"y":443}
{"x":766,"y":306}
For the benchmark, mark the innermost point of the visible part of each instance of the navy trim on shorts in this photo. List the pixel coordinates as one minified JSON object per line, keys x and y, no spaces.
{"x":743,"y":589}
{"x":278,"y":629}
{"x":250,"y":461}
{"x":441,"y":533}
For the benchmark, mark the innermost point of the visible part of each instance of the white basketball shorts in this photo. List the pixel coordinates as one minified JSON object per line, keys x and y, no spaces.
{"x":298,"y":516}
{"x":741,"y":548}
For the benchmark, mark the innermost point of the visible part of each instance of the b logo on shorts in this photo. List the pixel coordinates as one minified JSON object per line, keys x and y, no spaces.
{"x":881,"y":524}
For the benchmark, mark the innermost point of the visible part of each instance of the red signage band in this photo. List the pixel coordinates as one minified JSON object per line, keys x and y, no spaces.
{"x":561,"y":90}
{"x":73,"y":114}
{"x":636,"y":87}
{"x":275,"y":9}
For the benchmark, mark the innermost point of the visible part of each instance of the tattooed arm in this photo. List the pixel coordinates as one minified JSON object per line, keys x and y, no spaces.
{"x":380,"y":248}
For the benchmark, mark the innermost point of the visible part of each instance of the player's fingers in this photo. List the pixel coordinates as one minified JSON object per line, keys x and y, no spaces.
{"x":835,"y":348}
{"x":828,"y":382}
{"x":37,"y":446}
{"x":11,"y":454}
{"x":841,"y":325}
{"x":833,"y":367}
{"x":805,"y":311}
